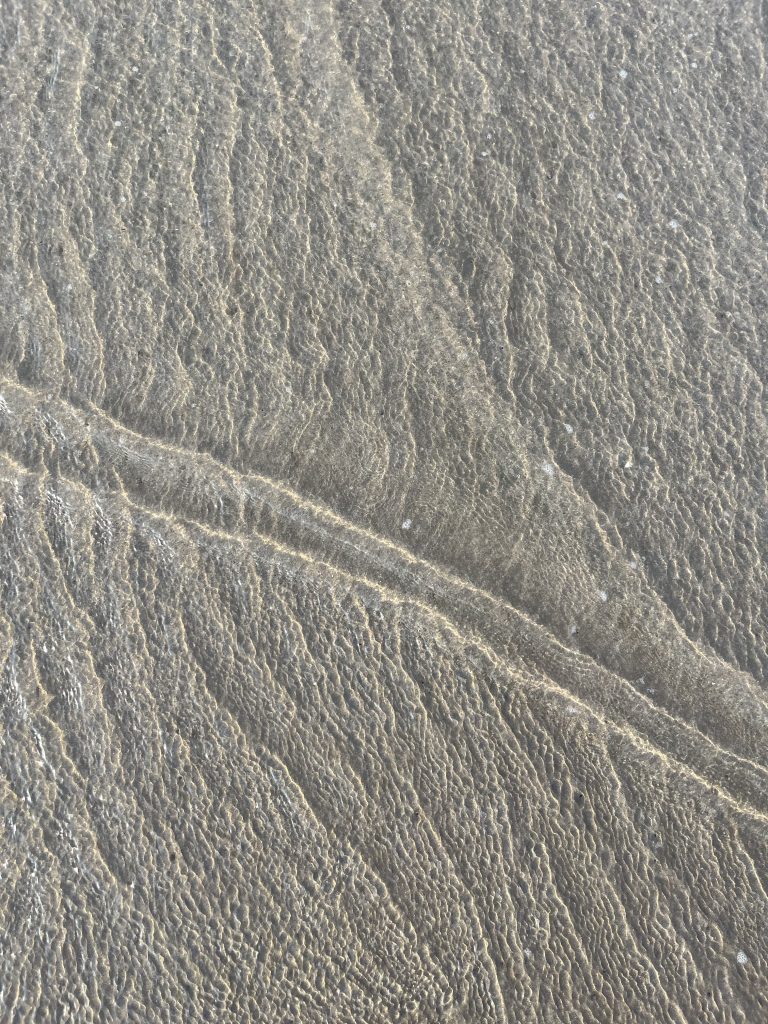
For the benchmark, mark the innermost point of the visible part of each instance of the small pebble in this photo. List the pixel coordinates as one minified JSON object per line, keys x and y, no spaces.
{"x":549,"y":469}
{"x":568,"y":428}
{"x":694,"y":64}
{"x":742,"y":958}
{"x":674,"y":224}
{"x":623,"y":73}
{"x":406,"y":524}
{"x":591,"y":115}
{"x":658,"y":279}
{"x":602,"y":594}
{"x":118,"y":124}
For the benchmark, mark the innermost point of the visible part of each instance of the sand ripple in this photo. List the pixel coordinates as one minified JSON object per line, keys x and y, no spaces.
{"x":382,"y":532}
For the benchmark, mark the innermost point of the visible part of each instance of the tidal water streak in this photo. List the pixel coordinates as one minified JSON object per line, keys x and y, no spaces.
{"x":383,"y":458}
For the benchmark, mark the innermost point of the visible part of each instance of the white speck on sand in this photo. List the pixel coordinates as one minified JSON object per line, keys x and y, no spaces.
{"x":568,"y":428}
{"x":620,"y":196}
{"x":742,"y":958}
{"x":406,"y":524}
{"x":549,"y":469}
{"x":623,"y":73}
{"x":118,"y":124}
{"x":674,"y":224}
{"x":694,"y":64}
{"x":573,"y":630}
{"x":658,"y":279}
{"x":591,"y":115}
{"x":603,"y":595}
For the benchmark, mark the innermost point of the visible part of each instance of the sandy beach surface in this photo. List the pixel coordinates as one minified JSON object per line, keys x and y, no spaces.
{"x":383,"y":505}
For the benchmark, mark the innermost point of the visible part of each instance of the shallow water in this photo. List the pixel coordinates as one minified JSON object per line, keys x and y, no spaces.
{"x":383,"y":472}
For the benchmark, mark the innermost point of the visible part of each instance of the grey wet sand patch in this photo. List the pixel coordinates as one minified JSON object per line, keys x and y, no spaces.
{"x":382,"y":453}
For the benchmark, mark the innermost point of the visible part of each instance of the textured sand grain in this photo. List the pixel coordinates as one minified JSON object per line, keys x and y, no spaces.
{"x":383,"y":512}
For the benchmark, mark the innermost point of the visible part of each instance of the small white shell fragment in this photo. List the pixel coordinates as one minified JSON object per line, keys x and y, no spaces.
{"x":406,"y":524}
{"x":742,"y":958}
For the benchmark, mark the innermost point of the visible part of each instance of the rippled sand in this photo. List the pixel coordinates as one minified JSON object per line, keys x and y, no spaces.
{"x":383,"y":632}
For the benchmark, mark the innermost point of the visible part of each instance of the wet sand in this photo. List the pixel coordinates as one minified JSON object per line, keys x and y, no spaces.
{"x":383,"y":632}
